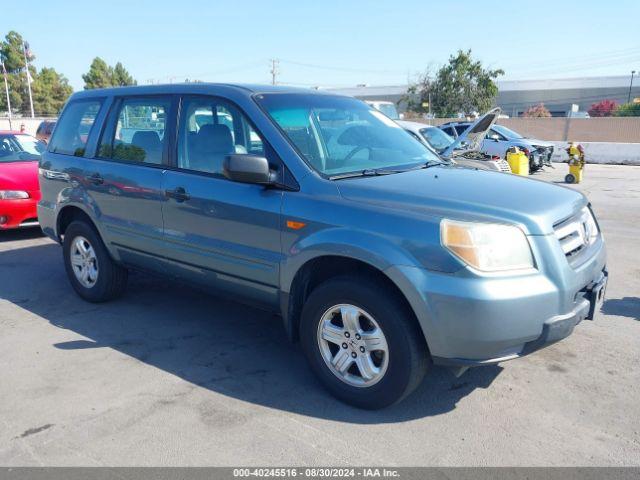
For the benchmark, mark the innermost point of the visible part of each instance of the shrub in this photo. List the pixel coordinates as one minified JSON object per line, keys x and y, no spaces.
{"x":628,"y":110}
{"x":537,"y":111}
{"x":603,"y":108}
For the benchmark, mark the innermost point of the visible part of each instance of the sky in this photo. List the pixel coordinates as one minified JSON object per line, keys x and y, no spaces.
{"x":327,"y":42}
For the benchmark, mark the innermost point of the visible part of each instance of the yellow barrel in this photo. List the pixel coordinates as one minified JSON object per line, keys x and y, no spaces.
{"x":576,"y":172}
{"x":519,"y":162}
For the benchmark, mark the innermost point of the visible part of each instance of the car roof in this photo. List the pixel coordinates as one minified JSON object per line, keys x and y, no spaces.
{"x":413,"y":125}
{"x":453,"y":124}
{"x":197,"y":87}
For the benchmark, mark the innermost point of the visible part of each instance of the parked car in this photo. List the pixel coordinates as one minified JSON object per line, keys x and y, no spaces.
{"x":19,"y":190}
{"x":45,"y":129}
{"x":499,"y":139}
{"x":459,"y":152}
{"x":578,"y":114}
{"x":379,"y":257}
{"x":388,"y":108}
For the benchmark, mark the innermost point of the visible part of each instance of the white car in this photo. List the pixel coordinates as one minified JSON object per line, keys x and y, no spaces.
{"x":388,"y":108}
{"x":463,"y":153}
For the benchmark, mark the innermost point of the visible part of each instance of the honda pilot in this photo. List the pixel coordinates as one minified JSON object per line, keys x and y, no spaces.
{"x":380,"y":258}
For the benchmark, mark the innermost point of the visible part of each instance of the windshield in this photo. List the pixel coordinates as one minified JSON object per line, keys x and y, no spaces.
{"x":437,"y":138}
{"x":506,"y":132}
{"x":338,"y":135}
{"x":17,"y":148}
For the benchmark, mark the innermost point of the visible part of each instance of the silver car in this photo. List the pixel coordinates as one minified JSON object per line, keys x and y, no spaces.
{"x":499,"y":139}
{"x":462,"y":152}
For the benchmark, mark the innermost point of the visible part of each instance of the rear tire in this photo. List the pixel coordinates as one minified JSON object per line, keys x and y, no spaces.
{"x":570,"y":178}
{"x":394,"y":363}
{"x":91,"y":270}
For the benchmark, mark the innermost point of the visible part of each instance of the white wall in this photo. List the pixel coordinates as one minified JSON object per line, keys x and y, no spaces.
{"x":30,"y":124}
{"x":602,"y":152}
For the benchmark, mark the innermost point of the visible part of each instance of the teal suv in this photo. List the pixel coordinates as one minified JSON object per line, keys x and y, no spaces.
{"x":380,"y":257}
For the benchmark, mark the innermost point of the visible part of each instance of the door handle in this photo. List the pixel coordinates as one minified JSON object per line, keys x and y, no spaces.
{"x":96,"y":179}
{"x":179,"y":194}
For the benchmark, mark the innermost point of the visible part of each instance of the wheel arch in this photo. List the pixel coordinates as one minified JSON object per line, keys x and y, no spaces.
{"x":323,"y":267}
{"x":70,"y":213}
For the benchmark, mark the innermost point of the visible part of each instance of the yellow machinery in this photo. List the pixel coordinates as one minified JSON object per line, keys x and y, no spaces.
{"x":576,"y":163}
{"x":518,"y":161}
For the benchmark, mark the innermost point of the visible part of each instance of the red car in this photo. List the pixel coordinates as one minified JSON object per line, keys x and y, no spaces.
{"x":19,"y":188}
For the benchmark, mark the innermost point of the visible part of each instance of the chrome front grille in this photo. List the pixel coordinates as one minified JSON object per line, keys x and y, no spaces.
{"x":576,"y":233}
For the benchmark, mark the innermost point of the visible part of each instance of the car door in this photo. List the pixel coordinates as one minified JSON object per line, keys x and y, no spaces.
{"x":124,"y":181}
{"x":494,"y":144}
{"x":217,"y":232}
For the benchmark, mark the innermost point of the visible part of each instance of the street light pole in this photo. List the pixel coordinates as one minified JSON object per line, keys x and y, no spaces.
{"x":633,"y":72}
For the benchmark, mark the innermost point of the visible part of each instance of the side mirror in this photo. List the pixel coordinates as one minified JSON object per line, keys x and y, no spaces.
{"x":245,"y":168}
{"x":401,"y":116}
{"x":495,"y":138}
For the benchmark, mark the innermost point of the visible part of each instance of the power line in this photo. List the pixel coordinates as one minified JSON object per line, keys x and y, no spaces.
{"x":334,"y":68}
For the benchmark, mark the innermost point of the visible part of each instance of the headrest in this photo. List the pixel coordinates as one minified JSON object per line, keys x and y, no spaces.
{"x":215,"y":139}
{"x":146,"y":139}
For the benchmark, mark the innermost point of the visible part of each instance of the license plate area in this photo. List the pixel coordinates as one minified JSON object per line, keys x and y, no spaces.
{"x":596,"y":294}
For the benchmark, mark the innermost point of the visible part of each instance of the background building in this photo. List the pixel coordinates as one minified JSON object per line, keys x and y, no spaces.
{"x":514,"y":96}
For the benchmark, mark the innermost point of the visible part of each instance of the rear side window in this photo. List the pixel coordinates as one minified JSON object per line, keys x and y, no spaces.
{"x":139,"y":133}
{"x":75,"y":126}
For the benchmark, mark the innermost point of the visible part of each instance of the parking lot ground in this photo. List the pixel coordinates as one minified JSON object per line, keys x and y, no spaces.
{"x":169,"y":375}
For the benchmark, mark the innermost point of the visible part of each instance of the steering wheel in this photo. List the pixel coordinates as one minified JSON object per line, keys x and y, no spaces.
{"x":351,"y":154}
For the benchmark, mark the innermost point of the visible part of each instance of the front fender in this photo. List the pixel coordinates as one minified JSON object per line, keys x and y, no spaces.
{"x":371,"y":249}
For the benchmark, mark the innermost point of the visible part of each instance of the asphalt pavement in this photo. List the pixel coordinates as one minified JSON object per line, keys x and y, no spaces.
{"x":169,"y":375}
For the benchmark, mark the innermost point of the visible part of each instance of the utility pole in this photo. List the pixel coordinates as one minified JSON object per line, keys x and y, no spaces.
{"x":25,"y":49}
{"x":275,"y":65}
{"x":6,"y":89}
{"x":633,"y":72}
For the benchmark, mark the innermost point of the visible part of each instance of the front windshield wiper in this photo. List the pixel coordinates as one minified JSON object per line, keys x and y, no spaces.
{"x":373,"y":172}
{"x":369,"y":172}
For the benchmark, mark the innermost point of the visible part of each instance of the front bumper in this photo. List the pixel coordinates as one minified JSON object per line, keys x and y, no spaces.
{"x":470,"y":320}
{"x":553,"y":330}
{"x":18,"y":213}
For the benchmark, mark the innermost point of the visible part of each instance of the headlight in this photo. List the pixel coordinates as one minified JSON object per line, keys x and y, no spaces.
{"x":590,"y":225}
{"x":489,"y":247}
{"x":13,"y":195}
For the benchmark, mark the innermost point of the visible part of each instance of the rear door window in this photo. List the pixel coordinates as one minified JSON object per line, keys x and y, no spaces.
{"x":75,"y":126}
{"x":139,"y":132}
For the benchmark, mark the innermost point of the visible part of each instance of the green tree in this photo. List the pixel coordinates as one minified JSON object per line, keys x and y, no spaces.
{"x":120,"y":77}
{"x":12,"y":55}
{"x":50,"y":91}
{"x":463,"y":85}
{"x":628,"y":110}
{"x":98,"y":76}
{"x":102,"y":75}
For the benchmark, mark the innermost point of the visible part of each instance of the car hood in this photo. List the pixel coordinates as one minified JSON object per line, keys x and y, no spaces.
{"x":532,"y":141}
{"x":19,"y":176}
{"x":475,"y":134}
{"x":467,"y":194}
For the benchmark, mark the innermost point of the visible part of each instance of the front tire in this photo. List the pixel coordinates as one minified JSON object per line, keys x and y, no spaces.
{"x":91,"y":270}
{"x":364,"y":346}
